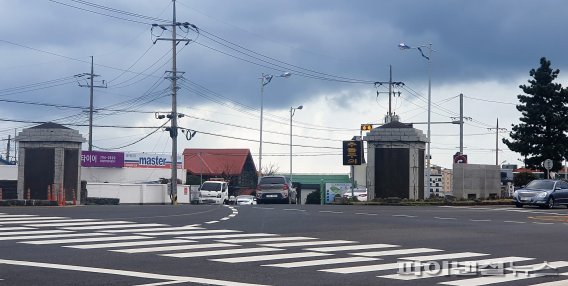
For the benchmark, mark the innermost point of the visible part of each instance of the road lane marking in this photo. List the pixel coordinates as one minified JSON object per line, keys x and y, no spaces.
{"x":222,"y":252}
{"x":459,"y":268}
{"x":536,"y":222}
{"x":23,"y":237}
{"x":93,"y":239}
{"x":155,"y":229}
{"x":213,"y":221}
{"x":267,"y":239}
{"x":263,"y":208}
{"x":352,"y":247}
{"x":38,"y":222}
{"x":332,"y":212}
{"x":174,"y":247}
{"x":297,"y":210}
{"x":127,"y":244}
{"x":73,"y":222}
{"x":322,"y":262}
{"x":113,"y":226}
{"x":512,"y":221}
{"x":519,"y":275}
{"x":16,"y":233}
{"x":268,"y":257}
{"x":402,"y":215}
{"x":183,"y":232}
{"x":3,"y":215}
{"x":444,"y":256}
{"x":396,"y":252}
{"x":126,"y":273}
{"x":221,"y":236}
{"x":480,"y":220}
{"x":309,"y":243}
{"x":445,"y":218}
{"x":365,"y":214}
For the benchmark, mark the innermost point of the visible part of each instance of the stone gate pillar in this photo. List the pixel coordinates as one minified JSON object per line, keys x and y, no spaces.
{"x":396,"y":161}
{"x":49,"y":155}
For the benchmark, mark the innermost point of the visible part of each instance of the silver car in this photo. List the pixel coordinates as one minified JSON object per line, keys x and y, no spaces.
{"x":275,"y":189}
{"x":542,"y":193}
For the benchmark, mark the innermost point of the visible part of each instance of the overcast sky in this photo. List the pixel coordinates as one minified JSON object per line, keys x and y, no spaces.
{"x":334,"y":49}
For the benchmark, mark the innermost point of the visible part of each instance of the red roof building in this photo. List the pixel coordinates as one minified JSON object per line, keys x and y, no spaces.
{"x":234,"y":165}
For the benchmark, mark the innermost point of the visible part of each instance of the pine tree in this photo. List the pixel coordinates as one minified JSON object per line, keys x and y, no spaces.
{"x":542,"y":132}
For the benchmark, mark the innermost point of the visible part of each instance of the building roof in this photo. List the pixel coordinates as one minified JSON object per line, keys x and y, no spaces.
{"x":215,"y":161}
{"x":49,"y":125}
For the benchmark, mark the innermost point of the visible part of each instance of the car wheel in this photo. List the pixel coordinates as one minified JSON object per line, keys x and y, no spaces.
{"x":518,"y":205}
{"x":550,"y":203}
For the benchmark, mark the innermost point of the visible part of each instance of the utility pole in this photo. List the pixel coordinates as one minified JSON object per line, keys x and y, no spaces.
{"x":390,"y":92}
{"x":91,"y":86}
{"x":460,"y":122}
{"x":497,"y":131}
{"x":174,"y":115}
{"x":8,"y":149}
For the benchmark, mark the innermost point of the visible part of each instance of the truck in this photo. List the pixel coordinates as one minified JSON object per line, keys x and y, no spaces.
{"x":214,"y":192}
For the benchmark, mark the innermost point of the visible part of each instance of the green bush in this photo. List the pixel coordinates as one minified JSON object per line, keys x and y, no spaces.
{"x":314,"y":198}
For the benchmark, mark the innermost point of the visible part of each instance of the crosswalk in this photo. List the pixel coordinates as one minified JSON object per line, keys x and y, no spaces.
{"x":381,"y":261}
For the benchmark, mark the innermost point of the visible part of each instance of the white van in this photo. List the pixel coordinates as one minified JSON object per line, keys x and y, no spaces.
{"x":214,"y":192}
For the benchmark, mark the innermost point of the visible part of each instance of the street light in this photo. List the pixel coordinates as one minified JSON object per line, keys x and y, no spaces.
{"x":264,"y":80}
{"x":404,"y":46}
{"x":292,"y":111}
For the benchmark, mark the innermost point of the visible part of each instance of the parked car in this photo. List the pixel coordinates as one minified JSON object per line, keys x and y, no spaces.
{"x":275,"y":189}
{"x":246,"y":200}
{"x":360,"y":194}
{"x":542,"y":193}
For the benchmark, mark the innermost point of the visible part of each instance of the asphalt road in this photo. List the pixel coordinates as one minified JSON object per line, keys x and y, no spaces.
{"x":282,"y":245}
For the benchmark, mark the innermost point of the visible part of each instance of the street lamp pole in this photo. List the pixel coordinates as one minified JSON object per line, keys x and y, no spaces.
{"x":264,"y":80}
{"x":404,"y":46}
{"x":292,"y":112}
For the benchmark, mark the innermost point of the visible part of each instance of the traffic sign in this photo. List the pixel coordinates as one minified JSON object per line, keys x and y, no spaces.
{"x":548,"y":164}
{"x":366,"y":127}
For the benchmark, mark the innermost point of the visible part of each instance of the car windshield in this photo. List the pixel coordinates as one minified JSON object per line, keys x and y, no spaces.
{"x":271,"y":180}
{"x":540,"y":185}
{"x":211,"y":187}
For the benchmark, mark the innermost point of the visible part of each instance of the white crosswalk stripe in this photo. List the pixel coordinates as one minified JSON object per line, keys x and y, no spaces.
{"x":444,"y":256}
{"x":93,"y":239}
{"x":15,"y":228}
{"x":322,"y":262}
{"x":73,"y":222}
{"x":14,"y":233}
{"x":34,"y":222}
{"x":352,"y":247}
{"x":361,"y":269}
{"x":309,"y":243}
{"x":266,"y":257}
{"x":222,"y":252}
{"x":396,"y":252}
{"x":222,"y":236}
{"x":268,"y":239}
{"x":4,"y":219}
{"x":182,"y":232}
{"x":24,"y":237}
{"x":155,"y":229}
{"x":128,"y":244}
{"x":174,"y":248}
{"x":98,"y":227}
{"x":9,"y":215}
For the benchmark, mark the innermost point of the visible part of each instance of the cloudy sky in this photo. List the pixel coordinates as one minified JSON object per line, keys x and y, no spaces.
{"x":335,"y":50}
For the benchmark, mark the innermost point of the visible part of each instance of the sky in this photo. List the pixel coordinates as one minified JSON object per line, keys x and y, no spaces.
{"x":335,"y":50}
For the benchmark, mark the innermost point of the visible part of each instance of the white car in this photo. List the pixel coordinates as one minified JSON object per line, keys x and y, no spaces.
{"x":246,"y":200}
{"x":360,"y":194}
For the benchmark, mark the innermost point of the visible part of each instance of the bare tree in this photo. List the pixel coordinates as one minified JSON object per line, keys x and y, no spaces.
{"x":270,"y":169}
